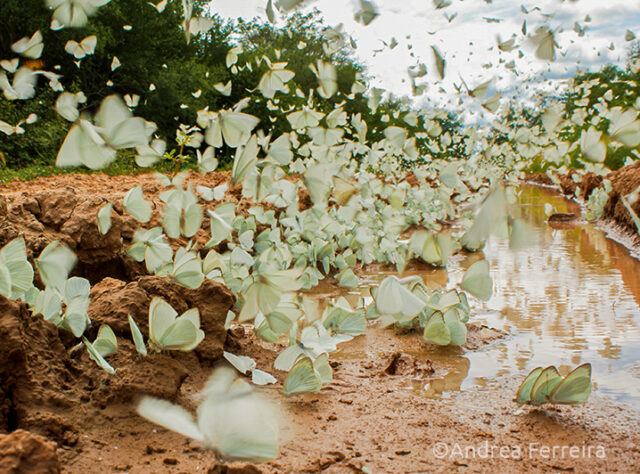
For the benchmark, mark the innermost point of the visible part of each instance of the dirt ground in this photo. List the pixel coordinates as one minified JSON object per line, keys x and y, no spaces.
{"x":374,"y":416}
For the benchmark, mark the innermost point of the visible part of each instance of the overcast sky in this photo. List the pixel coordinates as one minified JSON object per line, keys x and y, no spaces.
{"x":468,"y":40}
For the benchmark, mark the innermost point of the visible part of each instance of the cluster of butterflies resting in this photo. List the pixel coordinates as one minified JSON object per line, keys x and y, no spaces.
{"x":363,"y":210}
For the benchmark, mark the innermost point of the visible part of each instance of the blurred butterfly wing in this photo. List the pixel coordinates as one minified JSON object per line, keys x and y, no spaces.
{"x":239,"y":425}
{"x":477,"y":280}
{"x":245,"y":160}
{"x":80,"y":149}
{"x":170,"y":416}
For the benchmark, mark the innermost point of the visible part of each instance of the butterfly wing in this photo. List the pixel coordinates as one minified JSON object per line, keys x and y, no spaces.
{"x":544,"y":385}
{"x":524,"y":391}
{"x":575,"y":388}
{"x":302,"y":378}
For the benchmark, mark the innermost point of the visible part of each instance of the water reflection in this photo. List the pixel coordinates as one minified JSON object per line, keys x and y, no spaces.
{"x":572,"y":297}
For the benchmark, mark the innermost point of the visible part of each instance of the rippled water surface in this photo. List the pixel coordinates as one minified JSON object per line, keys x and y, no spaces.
{"x":573,"y":297}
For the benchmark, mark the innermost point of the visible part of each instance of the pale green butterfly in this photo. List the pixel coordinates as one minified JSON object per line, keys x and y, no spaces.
{"x":545,"y":43}
{"x":624,"y":126}
{"x":544,"y":385}
{"x":260,"y":377}
{"x":168,"y":331}
{"x":343,"y":319}
{"x":224,"y":89}
{"x":317,"y":179}
{"x":16,"y":271}
{"x":304,"y":118}
{"x":258,"y":185}
{"x":182,"y":215}
{"x":445,"y":329}
{"x":186,"y":269}
{"x":75,"y":295}
{"x":439,"y":62}
{"x":148,"y":155}
{"x":279,"y":150}
{"x":29,"y":47}
{"x":67,"y":105}
{"x":207,"y":161}
{"x":243,"y":364}
{"x":152,"y":247}
{"x":395,"y":299}
{"x":103,"y":218}
{"x":477,"y":280}
{"x":575,"y":388}
{"x":347,"y":279}
{"x":216,"y":193}
{"x":94,"y":145}
{"x":308,"y":376}
{"x":433,"y":249}
{"x":232,"y":419}
{"x":136,"y":205}
{"x":592,"y":146}
{"x":246,"y":365}
{"x":138,"y":339}
{"x":524,"y":391}
{"x":106,"y":342}
{"x":245,"y":160}
{"x":73,"y":13}
{"x":275,"y":79}
{"x":366,"y":12}
{"x":97,"y":358}
{"x":221,"y":219}
{"x":86,"y":47}
{"x":234,"y":127}
{"x":264,"y":293}
{"x":54,"y":264}
{"x":327,"y":78}
{"x":325,"y":136}
{"x":22,"y":87}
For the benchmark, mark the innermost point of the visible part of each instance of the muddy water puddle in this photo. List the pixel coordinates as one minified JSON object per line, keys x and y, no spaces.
{"x":572,"y":297}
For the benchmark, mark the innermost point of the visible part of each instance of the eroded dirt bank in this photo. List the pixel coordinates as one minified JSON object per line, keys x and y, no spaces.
{"x":374,"y":417}
{"x":623,"y":181}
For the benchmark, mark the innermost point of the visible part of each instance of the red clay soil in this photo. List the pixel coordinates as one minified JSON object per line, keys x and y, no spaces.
{"x":374,"y":416}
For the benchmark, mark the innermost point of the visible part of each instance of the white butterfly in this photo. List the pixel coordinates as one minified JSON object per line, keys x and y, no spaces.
{"x":86,"y":47}
{"x":73,"y":13}
{"x":232,"y":419}
{"x":29,"y":47}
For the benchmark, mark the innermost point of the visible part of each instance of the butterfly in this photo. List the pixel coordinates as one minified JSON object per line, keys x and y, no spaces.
{"x":232,"y":420}
{"x":548,"y":386}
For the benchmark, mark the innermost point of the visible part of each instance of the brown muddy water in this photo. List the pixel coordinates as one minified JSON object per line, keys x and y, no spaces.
{"x":572,"y":297}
